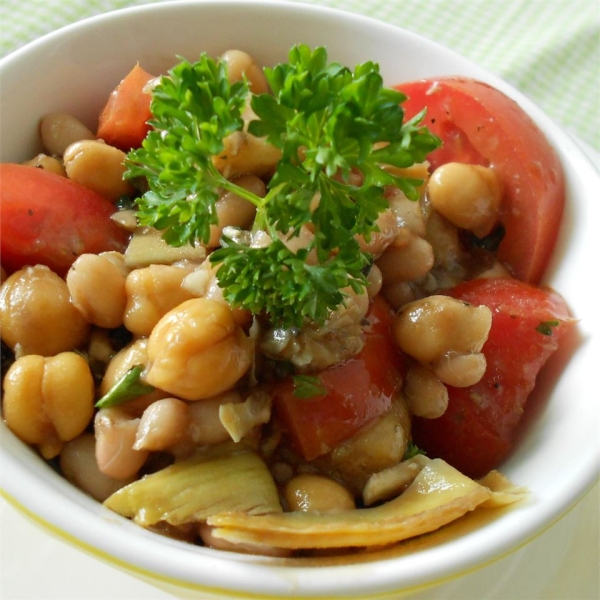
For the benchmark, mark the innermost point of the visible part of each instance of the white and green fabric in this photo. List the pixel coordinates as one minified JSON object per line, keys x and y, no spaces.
{"x":549,"y":49}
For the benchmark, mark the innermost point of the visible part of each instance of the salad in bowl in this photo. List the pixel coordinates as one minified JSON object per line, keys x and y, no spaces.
{"x":285,"y":310}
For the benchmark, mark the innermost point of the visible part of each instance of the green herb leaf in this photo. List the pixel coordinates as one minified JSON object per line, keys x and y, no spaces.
{"x":545,"y":327}
{"x":329,"y":122}
{"x":127,"y":388}
{"x":412,"y":450}
{"x":308,"y":386}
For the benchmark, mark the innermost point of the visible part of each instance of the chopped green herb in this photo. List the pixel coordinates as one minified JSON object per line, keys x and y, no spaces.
{"x":127,"y":388}
{"x":545,"y":327}
{"x":328,"y":121}
{"x":412,"y":450}
{"x":308,"y":386}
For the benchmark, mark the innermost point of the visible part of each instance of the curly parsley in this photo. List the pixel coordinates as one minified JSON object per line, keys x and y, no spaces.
{"x":328,"y":121}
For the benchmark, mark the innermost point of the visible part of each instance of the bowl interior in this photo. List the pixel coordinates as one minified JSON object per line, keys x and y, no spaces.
{"x":74,"y":70}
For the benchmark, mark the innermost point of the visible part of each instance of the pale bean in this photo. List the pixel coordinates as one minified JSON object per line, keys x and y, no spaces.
{"x":60,"y":130}
{"x":460,"y":370}
{"x":233,"y":210}
{"x":205,"y":427}
{"x":197,"y":350}
{"x":425,"y":394}
{"x":48,"y":401}
{"x":98,"y":167}
{"x":469,"y":196}
{"x":162,"y":425}
{"x":408,"y":258}
{"x":97,"y":287}
{"x":36,"y":313}
{"x":151,"y":293}
{"x":240,"y":64}
{"x":310,"y":492}
{"x":115,"y":432}
{"x":429,"y":328}
{"x":78,"y":464}
{"x":398,"y":294}
{"x":47,"y":163}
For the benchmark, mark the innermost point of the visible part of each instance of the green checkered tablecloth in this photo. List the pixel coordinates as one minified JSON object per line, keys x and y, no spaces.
{"x":549,"y":49}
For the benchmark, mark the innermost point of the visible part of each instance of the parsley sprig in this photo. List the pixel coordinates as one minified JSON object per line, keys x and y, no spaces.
{"x":328,"y":121}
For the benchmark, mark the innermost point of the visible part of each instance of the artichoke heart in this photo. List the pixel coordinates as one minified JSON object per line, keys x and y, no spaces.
{"x":220,"y":479}
{"x":438,"y":495}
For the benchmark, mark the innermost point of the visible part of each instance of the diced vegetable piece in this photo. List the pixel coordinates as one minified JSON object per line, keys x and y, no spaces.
{"x":123,"y":121}
{"x":357,"y":391}
{"x":476,"y":432}
{"x":220,"y":479}
{"x":48,"y":219}
{"x":439,"y":495}
{"x":147,"y":247}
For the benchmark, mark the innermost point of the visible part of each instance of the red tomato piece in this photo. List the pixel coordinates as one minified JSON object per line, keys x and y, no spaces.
{"x":48,"y":219}
{"x":476,"y":433}
{"x":357,"y":391}
{"x":480,"y":125}
{"x":123,"y":121}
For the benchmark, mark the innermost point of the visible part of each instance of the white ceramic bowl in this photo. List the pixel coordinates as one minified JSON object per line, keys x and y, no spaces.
{"x":75,"y":68}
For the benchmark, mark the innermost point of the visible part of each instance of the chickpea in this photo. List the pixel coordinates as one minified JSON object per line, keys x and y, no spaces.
{"x":48,"y":163}
{"x":37,"y":315}
{"x":469,"y":196}
{"x":197,"y":350}
{"x":408,"y":258}
{"x":48,"y":401}
{"x":425,"y":393}
{"x":60,"y":130}
{"x":98,"y":167}
{"x":79,"y":466}
{"x":374,"y":281}
{"x":152,"y":292}
{"x":97,"y":287}
{"x":240,"y":63}
{"x":115,"y":433}
{"x":436,"y":330}
{"x":309,"y":492}
{"x":460,"y":370}
{"x":233,"y":210}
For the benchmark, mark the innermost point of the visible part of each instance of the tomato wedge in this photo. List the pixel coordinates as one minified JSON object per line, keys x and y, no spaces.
{"x":48,"y":219}
{"x":478,"y":124}
{"x":357,"y":391}
{"x":123,"y":121}
{"x":476,"y":432}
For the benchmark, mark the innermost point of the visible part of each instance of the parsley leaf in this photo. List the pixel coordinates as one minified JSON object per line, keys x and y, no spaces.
{"x":545,"y":327}
{"x":328,"y":122}
{"x":308,"y":386}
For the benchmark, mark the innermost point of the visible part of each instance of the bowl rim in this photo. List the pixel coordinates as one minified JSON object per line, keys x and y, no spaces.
{"x":15,"y":466}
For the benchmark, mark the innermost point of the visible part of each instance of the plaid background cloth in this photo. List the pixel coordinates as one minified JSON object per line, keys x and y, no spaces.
{"x":548,"y":49}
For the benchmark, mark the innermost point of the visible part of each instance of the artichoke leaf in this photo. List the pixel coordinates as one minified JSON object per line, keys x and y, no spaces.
{"x":503,"y":490}
{"x":224,"y":478}
{"x":437,"y":496}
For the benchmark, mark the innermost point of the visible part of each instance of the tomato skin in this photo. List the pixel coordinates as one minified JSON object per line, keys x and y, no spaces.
{"x":48,"y":219}
{"x":480,"y":125}
{"x":124,"y":119}
{"x":476,"y":433}
{"x":358,"y":391}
